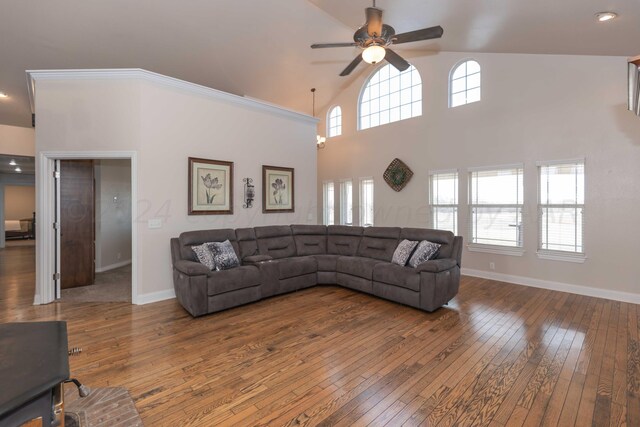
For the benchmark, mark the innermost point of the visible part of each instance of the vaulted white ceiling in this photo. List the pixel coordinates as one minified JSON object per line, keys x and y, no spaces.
{"x":260,"y":48}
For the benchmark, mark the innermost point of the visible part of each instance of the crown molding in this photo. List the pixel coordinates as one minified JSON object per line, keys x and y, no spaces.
{"x":162,"y":80}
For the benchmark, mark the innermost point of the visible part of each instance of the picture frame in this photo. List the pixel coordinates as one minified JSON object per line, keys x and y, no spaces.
{"x":278,"y":189}
{"x":210,"y":187}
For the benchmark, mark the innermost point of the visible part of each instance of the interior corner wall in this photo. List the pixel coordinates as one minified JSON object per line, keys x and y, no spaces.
{"x":113,"y":213}
{"x":533,"y":108}
{"x":166,"y":125}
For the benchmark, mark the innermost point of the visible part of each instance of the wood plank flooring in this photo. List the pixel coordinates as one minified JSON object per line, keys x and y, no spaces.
{"x":498,"y":355}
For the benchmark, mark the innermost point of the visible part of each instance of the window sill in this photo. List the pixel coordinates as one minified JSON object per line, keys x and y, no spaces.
{"x":556,"y":256}
{"x":497,"y":250}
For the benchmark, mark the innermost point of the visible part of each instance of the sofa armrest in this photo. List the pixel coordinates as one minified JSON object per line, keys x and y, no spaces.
{"x":255,"y":259}
{"x":436,"y":265}
{"x":191,"y":268}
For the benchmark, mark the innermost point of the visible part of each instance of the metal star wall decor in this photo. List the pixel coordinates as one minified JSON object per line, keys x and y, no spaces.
{"x":397,"y":174}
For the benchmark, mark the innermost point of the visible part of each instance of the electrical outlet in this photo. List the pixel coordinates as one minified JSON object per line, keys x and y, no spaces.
{"x":492,"y":265}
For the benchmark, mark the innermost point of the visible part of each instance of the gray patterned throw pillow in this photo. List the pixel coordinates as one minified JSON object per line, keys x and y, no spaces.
{"x":425,"y":251}
{"x":403,"y":252}
{"x":224,"y":257}
{"x":204,"y":255}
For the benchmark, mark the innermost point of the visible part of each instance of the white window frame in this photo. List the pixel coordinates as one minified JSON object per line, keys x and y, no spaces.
{"x":559,"y":255}
{"x":418,"y":89}
{"x":334,"y":123}
{"x":346,"y":202}
{"x":466,"y":76}
{"x":434,"y":206}
{"x":489,"y":248}
{"x":328,"y":204}
{"x":361,"y":206}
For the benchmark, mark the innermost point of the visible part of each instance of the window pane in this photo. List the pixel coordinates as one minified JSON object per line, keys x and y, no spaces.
{"x":416,"y":109}
{"x":562,"y":184}
{"x":460,"y":71}
{"x":405,"y":112}
{"x":394,"y":99}
{"x":458,"y":99}
{"x":473,"y":67}
{"x":445,"y":218}
{"x":497,"y":187}
{"x":394,"y":114}
{"x":561,"y":229}
{"x":497,"y":226}
{"x":366,"y":202}
{"x":328,"y":203}
{"x":473,"y":95}
{"x":458,"y":85}
{"x":346,"y":203}
{"x":473,"y":81}
{"x":444,"y":191}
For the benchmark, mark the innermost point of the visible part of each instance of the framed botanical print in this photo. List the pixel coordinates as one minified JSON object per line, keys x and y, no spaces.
{"x":277,"y":189}
{"x":210,"y":187}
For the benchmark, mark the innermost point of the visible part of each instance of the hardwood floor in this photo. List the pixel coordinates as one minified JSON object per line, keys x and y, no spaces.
{"x":498,"y":355}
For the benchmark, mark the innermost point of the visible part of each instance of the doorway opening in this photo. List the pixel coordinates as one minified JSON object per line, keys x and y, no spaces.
{"x":88,"y":253}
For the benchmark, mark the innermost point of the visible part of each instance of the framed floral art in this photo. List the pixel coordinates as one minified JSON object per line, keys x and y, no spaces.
{"x":277,"y":189}
{"x":210,"y":187}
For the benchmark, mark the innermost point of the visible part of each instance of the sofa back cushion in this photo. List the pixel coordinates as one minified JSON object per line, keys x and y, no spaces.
{"x":195,"y":238}
{"x":310,"y":239}
{"x":275,"y":241}
{"x":442,"y":237}
{"x":247,"y":242}
{"x":379,"y":243}
{"x":343,"y":239}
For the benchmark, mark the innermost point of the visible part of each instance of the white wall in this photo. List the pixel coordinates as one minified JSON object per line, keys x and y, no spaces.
{"x":113,"y":213}
{"x":534,"y":107}
{"x":17,"y":140}
{"x":166,"y":125}
{"x":20,"y":201}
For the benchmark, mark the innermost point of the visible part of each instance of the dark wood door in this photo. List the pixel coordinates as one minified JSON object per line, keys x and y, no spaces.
{"x":77,"y":219}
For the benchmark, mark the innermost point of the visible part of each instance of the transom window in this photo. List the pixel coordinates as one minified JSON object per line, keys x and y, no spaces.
{"x":335,"y":122}
{"x":561,"y":206}
{"x":390,"y":96}
{"x":464,"y":87}
{"x":496,"y":204}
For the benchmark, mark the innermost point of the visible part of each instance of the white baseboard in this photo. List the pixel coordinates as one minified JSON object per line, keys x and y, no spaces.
{"x":112,"y":266}
{"x":555,"y":286}
{"x":154,"y":297}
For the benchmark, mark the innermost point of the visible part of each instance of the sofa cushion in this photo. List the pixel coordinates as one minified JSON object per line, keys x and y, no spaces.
{"x":379,"y":243}
{"x":442,"y":237}
{"x":403,"y":252}
{"x":343,"y":239}
{"x":357,"y":266}
{"x":224,"y":257}
{"x":327,"y":262}
{"x":195,"y":238}
{"x":310,"y":239}
{"x":393,"y":274}
{"x":247,"y":242}
{"x":425,"y":251}
{"x":276,"y":241}
{"x":220,"y":282}
{"x":296,"y":266}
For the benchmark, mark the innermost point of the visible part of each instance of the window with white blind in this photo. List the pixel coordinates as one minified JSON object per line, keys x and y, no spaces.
{"x":346,"y":202}
{"x":366,"y":202}
{"x":496,"y":205}
{"x":443,"y":198}
{"x":561,"y":207}
{"x":464,"y":84}
{"x":334,"y":122}
{"x":328,"y":203}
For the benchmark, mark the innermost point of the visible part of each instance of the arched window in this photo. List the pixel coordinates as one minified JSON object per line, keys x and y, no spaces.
{"x":390,"y":95}
{"x":464,"y":83}
{"x":334,"y":122}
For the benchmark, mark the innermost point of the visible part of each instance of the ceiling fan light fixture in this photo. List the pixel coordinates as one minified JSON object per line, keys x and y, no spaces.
{"x":373,"y":54}
{"x":606,"y":16}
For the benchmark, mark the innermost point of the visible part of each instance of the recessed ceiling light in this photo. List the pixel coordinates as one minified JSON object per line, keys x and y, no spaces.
{"x":18,"y":169}
{"x":606,"y":16}
{"x":13,"y":163}
{"x":3,"y":95}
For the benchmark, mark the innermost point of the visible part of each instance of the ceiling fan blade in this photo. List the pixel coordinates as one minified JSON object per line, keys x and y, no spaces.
{"x":351,"y":66}
{"x":374,"y":21}
{"x":396,"y":60}
{"x":323,"y":45}
{"x":414,"y":36}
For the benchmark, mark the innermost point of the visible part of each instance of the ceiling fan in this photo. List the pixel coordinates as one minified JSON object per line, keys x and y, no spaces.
{"x":374,"y":38}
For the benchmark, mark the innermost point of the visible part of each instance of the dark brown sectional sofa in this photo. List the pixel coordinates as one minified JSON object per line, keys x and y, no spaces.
{"x":280,"y":259}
